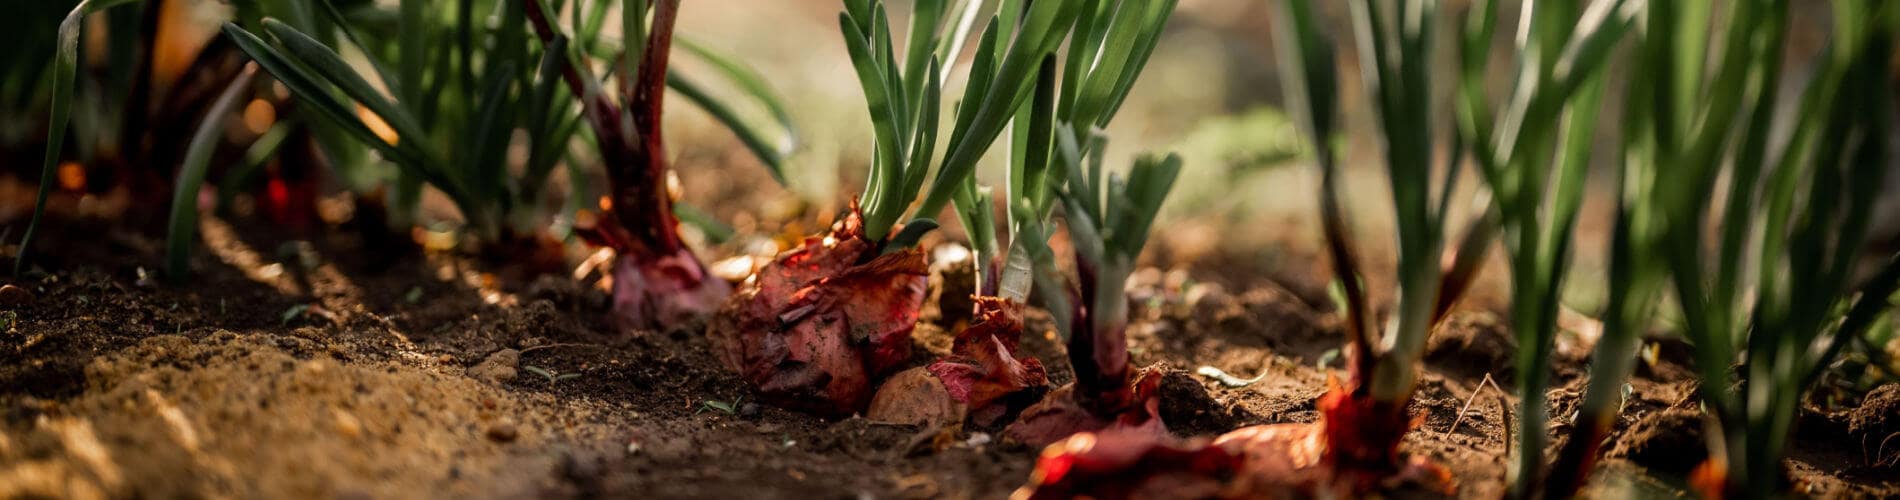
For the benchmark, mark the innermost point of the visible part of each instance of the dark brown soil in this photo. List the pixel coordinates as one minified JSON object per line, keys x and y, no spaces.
{"x":300,"y":370}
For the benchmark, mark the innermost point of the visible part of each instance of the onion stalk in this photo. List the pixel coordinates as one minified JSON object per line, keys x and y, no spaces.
{"x":818,"y":327}
{"x":1776,"y":291}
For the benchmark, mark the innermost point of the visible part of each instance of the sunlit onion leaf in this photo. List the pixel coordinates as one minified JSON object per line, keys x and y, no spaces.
{"x":330,"y":67}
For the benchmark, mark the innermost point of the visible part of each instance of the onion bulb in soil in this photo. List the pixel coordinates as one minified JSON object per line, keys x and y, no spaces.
{"x":670,"y":290}
{"x":815,"y":328}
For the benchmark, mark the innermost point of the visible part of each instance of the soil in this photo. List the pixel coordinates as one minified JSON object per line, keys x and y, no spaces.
{"x":294,"y":369}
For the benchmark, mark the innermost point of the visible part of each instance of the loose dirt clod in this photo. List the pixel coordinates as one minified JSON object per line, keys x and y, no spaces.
{"x":1876,"y":423}
{"x":498,"y":369}
{"x":1668,"y":441}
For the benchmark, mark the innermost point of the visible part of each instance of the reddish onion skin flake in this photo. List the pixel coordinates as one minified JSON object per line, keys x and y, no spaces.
{"x":816,"y":327}
{"x":668,"y":291}
{"x":1059,"y":414}
{"x":1121,"y":463}
{"x":1265,"y":461}
{"x":983,"y":371}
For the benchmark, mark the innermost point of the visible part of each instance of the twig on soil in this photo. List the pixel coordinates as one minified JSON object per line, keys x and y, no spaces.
{"x":1472,"y":399}
{"x":1504,"y":410}
{"x":1229,"y":380}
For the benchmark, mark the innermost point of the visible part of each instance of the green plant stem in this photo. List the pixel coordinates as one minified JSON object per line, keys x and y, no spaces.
{"x":65,"y":70}
{"x":182,"y":225}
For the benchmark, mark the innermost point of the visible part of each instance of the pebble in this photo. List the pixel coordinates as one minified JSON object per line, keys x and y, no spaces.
{"x":347,"y":424}
{"x":502,"y":433}
{"x":14,"y":296}
{"x":749,"y":410}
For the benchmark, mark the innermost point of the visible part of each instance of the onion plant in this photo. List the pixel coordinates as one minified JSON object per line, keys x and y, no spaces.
{"x":658,"y":282}
{"x":458,"y":93}
{"x":1056,"y":160}
{"x":458,"y":88}
{"x":815,"y":327}
{"x":1534,"y":155}
{"x":1769,"y":303}
{"x":1107,"y":49}
{"x":1108,"y":224}
{"x":1364,"y":418}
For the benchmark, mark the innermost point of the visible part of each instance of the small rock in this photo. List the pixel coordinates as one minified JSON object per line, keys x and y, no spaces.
{"x":11,"y":296}
{"x":502,"y":432}
{"x":347,"y":424}
{"x":498,"y":369}
{"x":749,"y":410}
{"x":915,"y":397}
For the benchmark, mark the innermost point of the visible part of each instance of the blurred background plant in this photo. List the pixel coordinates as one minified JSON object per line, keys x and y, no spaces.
{"x":504,"y":132}
{"x":470,"y":85}
{"x":1771,"y":296}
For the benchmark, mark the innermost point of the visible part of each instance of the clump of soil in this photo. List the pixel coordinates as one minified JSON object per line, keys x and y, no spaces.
{"x":1669,"y":441}
{"x":1876,"y":424}
{"x":1191,"y":410}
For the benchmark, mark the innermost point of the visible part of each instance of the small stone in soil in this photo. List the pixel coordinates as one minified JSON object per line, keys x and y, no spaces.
{"x":502,"y":433}
{"x":749,"y":410}
{"x":11,"y":295}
